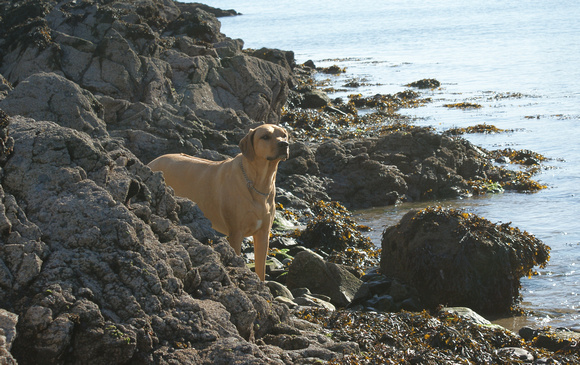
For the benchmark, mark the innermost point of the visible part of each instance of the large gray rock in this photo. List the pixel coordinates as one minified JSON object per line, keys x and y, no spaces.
{"x":48,"y":96}
{"x":257,"y":87}
{"x":357,"y":179}
{"x":314,"y":99}
{"x":309,"y":270}
{"x":459,"y":259}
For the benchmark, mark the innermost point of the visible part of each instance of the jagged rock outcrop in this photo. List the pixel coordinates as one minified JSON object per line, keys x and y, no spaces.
{"x":407,"y":165}
{"x":162,"y":76}
{"x":106,"y":259}
{"x":49,"y":96}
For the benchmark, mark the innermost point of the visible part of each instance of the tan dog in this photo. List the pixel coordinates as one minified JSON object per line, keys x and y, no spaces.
{"x":236,"y":195}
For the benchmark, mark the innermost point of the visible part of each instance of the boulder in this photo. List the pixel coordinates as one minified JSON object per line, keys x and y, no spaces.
{"x":257,"y":87}
{"x":279,"y":57}
{"x":385,"y":294}
{"x":48,"y":96}
{"x":196,"y":23}
{"x":307,"y":300}
{"x":466,"y":313}
{"x":459,"y":259}
{"x":358,"y":180}
{"x":517,"y":353}
{"x":314,"y":99}
{"x":311,"y":271}
{"x":279,"y":290}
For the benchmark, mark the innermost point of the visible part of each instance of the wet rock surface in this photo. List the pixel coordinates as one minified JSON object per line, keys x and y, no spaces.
{"x":99,"y":261}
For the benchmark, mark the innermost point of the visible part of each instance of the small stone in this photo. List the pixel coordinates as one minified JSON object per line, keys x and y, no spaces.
{"x":278,"y":290}
{"x":383,"y":303}
{"x":517,"y":354}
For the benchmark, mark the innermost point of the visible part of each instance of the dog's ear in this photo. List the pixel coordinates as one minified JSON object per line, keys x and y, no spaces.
{"x":247,"y":145}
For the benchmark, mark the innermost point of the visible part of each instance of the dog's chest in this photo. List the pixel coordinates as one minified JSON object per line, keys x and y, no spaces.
{"x":260,"y":217}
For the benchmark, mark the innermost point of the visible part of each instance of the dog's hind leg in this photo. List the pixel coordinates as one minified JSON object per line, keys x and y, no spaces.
{"x":236,"y":243}
{"x":261,"y":243}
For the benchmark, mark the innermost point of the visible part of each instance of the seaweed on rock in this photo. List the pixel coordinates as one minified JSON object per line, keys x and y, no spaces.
{"x":420,"y":338}
{"x":460,"y":259}
{"x":332,"y":231}
{"x":479,"y":128}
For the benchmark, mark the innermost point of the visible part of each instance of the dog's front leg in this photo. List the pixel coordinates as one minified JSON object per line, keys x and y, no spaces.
{"x":261,"y":243}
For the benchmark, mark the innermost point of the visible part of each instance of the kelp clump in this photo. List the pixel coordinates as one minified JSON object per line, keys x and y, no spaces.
{"x":425,"y":84}
{"x":389,"y":103}
{"x":456,"y":258}
{"x":419,"y":338}
{"x":463,"y":105}
{"x":479,"y":128}
{"x":501,"y":179}
{"x":342,"y":122}
{"x":333,"y":231}
{"x":332,"y":70}
{"x":522,"y":157}
{"x":520,"y":181}
{"x":342,"y":119}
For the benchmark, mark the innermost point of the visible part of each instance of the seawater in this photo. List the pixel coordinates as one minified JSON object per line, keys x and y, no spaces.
{"x":520,"y":60}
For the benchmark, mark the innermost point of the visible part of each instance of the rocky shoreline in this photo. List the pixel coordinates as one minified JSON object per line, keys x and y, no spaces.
{"x":101,"y":264}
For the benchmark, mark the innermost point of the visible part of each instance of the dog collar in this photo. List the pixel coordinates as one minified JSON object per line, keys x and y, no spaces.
{"x":249,"y":182}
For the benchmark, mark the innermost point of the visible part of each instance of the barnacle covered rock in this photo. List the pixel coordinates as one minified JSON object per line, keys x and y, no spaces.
{"x":6,"y":142}
{"x":459,"y":259}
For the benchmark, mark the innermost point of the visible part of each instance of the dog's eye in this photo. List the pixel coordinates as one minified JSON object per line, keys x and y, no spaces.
{"x":265,"y":137}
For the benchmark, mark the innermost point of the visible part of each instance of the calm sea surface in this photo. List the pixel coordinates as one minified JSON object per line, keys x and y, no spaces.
{"x":519,"y":59}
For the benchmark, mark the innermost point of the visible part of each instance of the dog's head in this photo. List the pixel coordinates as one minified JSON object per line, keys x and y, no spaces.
{"x":267,"y":141}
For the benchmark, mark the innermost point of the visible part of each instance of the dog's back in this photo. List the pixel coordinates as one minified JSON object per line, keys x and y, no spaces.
{"x":182,"y":171}
{"x":201,"y":181}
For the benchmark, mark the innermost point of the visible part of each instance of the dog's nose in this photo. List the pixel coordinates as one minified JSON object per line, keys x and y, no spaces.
{"x":283,"y":144}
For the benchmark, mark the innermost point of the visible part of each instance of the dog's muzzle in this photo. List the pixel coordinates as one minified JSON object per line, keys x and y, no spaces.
{"x":283,"y":149}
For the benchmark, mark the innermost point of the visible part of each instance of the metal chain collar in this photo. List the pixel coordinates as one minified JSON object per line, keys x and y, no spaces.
{"x":249,"y":182}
